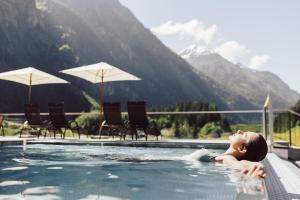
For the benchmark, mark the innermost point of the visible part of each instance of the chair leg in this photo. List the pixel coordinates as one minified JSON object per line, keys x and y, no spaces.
{"x":41,"y":132}
{"x":21,"y":132}
{"x":136,"y":134}
{"x":78,"y":131}
{"x":2,"y":131}
{"x":146,"y":135}
{"x":132,"y":133}
{"x":100,"y":131}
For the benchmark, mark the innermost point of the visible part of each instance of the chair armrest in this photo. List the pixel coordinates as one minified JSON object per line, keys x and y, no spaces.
{"x":47,"y":124}
{"x":103,"y":123}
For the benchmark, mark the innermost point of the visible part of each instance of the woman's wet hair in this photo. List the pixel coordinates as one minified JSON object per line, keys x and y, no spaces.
{"x":257,"y":149}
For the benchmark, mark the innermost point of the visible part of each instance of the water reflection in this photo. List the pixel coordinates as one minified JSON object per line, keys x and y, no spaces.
{"x":12,"y":183}
{"x":246,"y":187}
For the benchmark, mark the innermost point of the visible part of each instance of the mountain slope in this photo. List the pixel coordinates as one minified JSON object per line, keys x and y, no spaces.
{"x":253,"y":85}
{"x":124,"y":42}
{"x":27,"y":38}
{"x":62,"y":34}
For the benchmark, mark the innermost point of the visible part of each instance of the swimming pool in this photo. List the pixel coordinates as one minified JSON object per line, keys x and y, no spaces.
{"x":112,"y":173}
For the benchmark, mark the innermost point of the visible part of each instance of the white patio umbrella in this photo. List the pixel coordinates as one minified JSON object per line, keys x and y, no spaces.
{"x":100,"y":73}
{"x":30,"y":76}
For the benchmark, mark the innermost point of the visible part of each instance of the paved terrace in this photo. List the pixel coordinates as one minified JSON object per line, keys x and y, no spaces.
{"x":283,"y":177}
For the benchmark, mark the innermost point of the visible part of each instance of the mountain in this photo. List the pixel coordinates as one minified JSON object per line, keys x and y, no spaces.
{"x":52,"y":35}
{"x":251,"y":84}
{"x":28,"y":38}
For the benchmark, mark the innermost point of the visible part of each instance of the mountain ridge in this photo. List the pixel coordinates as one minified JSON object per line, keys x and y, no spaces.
{"x":253,"y":85}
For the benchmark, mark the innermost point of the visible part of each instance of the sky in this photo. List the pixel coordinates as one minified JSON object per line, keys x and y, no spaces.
{"x":260,"y":34}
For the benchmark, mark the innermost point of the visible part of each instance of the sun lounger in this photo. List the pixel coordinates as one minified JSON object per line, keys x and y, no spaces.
{"x":59,"y":123}
{"x":138,"y":120}
{"x":34,"y":123}
{"x":113,"y":123}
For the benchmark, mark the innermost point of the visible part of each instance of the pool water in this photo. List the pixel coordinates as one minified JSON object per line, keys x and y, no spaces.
{"x":114,"y":173}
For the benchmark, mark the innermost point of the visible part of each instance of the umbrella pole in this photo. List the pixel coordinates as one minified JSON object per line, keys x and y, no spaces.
{"x":101,"y":97}
{"x":29,"y":89}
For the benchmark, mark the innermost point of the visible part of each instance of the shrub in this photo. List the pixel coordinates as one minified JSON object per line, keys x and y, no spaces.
{"x":89,"y":122}
{"x":209,"y":128}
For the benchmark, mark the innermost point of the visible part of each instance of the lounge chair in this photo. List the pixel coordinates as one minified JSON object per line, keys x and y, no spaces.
{"x":1,"y":125}
{"x":113,"y":120}
{"x":34,"y":123}
{"x":59,"y":121}
{"x":138,"y":120}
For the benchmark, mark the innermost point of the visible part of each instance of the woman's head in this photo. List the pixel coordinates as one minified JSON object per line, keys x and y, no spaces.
{"x":248,"y":146}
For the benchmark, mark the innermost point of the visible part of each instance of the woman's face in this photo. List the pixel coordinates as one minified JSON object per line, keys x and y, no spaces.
{"x":240,"y":138}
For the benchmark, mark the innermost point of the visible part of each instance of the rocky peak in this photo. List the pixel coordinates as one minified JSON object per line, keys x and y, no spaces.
{"x":195,"y":51}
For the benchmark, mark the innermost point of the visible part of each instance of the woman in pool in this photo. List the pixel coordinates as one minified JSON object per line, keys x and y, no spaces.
{"x":244,"y":153}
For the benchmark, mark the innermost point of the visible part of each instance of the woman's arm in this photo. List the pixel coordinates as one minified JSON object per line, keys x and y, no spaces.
{"x":253,"y":169}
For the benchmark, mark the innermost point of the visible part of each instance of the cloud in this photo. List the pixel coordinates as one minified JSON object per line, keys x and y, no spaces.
{"x":209,"y":36}
{"x":257,"y":62}
{"x":194,"y":28}
{"x":232,"y":50}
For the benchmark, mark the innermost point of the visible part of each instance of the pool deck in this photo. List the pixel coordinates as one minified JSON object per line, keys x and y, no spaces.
{"x":283,"y":177}
{"x":283,"y":181}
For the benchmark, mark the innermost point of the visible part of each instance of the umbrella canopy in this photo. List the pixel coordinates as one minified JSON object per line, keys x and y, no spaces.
{"x":30,"y":76}
{"x":100,"y":73}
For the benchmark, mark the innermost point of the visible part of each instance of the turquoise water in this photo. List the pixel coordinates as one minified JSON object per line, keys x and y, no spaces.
{"x":114,"y":173}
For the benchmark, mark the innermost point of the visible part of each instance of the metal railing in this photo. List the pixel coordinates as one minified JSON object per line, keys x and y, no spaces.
{"x":286,"y":122}
{"x":287,"y":127}
{"x":232,"y":116}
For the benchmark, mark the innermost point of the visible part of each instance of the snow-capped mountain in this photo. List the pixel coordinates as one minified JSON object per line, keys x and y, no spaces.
{"x":240,"y":80}
{"x":194,"y":51}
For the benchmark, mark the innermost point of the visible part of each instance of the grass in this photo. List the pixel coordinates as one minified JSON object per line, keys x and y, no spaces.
{"x":295,"y":136}
{"x":11,"y":128}
{"x":14,"y":128}
{"x":246,"y":127}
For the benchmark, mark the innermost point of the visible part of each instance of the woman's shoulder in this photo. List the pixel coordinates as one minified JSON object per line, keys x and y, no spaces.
{"x":202,"y":155}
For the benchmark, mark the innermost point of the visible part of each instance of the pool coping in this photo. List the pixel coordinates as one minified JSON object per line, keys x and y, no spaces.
{"x":283,"y":178}
{"x":172,"y":143}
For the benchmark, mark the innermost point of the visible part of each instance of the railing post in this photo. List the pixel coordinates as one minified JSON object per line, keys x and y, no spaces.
{"x":271,"y":125}
{"x":264,"y":122}
{"x":290,"y":128}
